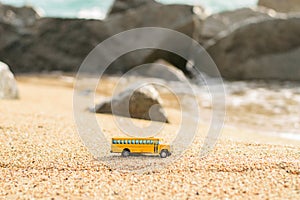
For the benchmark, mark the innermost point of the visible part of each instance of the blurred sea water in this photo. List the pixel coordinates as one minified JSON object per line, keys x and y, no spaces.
{"x":97,"y":9}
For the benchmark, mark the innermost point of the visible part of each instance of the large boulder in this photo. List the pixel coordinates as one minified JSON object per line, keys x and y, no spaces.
{"x":15,"y":26}
{"x":51,"y":44}
{"x":143,"y":103}
{"x":216,"y":23}
{"x":263,"y":49}
{"x":120,"y":6}
{"x":281,"y":5}
{"x":8,"y":85}
{"x":182,"y":18}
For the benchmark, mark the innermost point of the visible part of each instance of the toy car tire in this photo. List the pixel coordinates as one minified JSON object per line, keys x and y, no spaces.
{"x":164,"y":153}
{"x":125,"y":153}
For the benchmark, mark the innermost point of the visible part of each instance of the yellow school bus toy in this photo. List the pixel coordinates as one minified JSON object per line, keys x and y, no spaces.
{"x":127,"y":146}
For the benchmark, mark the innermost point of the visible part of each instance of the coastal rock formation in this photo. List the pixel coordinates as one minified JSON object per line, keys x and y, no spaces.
{"x":244,"y":42}
{"x":8,"y":85}
{"x":62,"y":44}
{"x":264,"y":49}
{"x":216,"y":23}
{"x":281,"y":6}
{"x":143,"y":103}
{"x":120,"y":6}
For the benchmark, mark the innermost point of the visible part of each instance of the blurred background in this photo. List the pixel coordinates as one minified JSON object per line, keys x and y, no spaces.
{"x":255,"y":44}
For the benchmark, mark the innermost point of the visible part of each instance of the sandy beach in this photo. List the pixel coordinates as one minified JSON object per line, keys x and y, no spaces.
{"x":41,"y":156}
{"x":219,"y":80}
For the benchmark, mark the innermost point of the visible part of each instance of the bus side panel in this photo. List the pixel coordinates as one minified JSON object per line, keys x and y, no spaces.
{"x":148,"y":148}
{"x":141,"y":148}
{"x":118,"y":148}
{"x":135,"y":148}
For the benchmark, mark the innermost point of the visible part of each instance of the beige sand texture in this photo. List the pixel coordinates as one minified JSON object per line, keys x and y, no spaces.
{"x":41,"y":156}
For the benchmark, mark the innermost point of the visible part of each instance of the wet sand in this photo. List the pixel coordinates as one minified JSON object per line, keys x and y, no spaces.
{"x":41,"y":156}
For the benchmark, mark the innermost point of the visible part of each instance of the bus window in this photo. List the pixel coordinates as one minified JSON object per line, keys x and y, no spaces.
{"x":151,"y":141}
{"x":148,"y":141}
{"x":144,"y":141}
{"x":118,"y":141}
{"x":141,"y":141}
{"x":114,"y":141}
{"x":125,"y":142}
{"x":137,"y":142}
{"x":132,"y":141}
{"x":129,"y":142}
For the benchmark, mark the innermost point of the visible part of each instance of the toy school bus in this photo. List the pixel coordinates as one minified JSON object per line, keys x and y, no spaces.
{"x":127,"y":146}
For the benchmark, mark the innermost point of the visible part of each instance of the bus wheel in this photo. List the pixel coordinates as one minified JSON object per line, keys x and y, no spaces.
{"x":164,"y":153}
{"x":125,"y":153}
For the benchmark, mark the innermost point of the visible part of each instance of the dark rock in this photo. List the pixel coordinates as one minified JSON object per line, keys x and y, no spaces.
{"x":9,"y":34}
{"x":143,"y":103}
{"x":263,"y":49}
{"x":181,"y":18}
{"x":51,"y":44}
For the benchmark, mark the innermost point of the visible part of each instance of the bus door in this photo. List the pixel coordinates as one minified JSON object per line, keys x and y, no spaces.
{"x":155,"y":146}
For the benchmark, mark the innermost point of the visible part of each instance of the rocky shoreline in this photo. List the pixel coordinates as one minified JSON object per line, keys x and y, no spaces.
{"x":246,"y":44}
